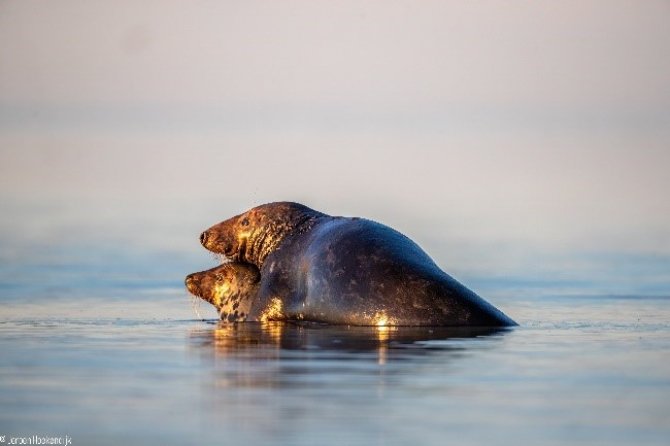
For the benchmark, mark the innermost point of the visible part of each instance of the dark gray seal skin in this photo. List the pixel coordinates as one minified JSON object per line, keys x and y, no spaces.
{"x":341,"y":270}
{"x":231,"y":287}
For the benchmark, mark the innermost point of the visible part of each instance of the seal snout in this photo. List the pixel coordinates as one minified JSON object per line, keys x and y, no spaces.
{"x":203,"y":238}
{"x":191,"y":283}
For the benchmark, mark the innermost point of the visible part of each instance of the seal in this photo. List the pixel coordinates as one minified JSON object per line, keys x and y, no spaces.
{"x":231,"y":287}
{"x":344,"y":270}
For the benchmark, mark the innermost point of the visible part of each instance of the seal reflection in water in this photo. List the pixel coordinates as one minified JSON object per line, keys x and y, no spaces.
{"x":273,"y":340}
{"x":341,"y":270}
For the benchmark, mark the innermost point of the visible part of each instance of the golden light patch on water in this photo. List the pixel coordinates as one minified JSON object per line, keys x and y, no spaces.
{"x":274,"y":330}
{"x":383,"y":332}
{"x":273,"y":311}
{"x":222,"y":331}
{"x":382,"y":354}
{"x":381,"y":319}
{"x":383,"y":325}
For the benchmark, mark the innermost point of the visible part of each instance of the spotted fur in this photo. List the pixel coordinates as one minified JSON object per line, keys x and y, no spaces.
{"x":232,"y":288}
{"x":252,"y":236}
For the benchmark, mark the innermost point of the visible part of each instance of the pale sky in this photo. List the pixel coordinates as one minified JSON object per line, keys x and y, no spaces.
{"x":541,"y":121}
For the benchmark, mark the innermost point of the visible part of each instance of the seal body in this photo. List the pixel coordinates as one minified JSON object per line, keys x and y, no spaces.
{"x":342,"y":270}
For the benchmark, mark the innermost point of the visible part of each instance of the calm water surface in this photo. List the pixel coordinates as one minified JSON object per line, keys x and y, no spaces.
{"x":114,"y":355}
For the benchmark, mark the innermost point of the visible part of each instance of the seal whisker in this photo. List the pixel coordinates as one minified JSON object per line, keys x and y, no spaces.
{"x":195,"y":304}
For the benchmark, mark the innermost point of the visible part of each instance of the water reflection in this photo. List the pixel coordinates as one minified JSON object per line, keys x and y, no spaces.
{"x":276,"y":354}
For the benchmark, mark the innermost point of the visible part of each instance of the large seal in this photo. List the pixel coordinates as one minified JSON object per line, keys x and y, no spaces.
{"x":341,"y":270}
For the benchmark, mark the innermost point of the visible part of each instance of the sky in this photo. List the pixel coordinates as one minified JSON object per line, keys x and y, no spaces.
{"x":529,"y":124}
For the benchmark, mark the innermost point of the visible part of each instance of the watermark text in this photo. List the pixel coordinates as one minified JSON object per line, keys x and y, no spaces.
{"x":65,"y":440}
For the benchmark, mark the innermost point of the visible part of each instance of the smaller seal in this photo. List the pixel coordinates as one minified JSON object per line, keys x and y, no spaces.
{"x":231,"y":287}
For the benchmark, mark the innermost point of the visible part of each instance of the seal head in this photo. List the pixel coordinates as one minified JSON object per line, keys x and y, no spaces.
{"x":232,"y":288}
{"x":250,"y":237}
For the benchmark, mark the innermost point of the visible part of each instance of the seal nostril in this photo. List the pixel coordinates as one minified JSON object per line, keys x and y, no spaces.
{"x":191,"y":284}
{"x":203,"y":237}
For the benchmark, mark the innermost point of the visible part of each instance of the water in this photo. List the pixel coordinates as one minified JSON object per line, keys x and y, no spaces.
{"x":102,"y":345}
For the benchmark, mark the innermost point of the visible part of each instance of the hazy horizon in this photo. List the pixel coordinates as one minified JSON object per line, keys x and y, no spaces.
{"x":473,"y":127}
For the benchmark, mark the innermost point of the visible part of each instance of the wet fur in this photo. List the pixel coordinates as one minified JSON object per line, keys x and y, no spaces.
{"x":231,"y":287}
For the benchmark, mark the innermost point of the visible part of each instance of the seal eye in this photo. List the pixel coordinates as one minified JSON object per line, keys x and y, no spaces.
{"x":245,"y":222}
